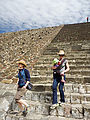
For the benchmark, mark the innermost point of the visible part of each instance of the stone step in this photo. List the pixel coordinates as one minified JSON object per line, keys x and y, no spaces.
{"x":42,"y":87}
{"x":40,"y":103}
{"x":70,"y":49}
{"x":46,"y":97}
{"x":68,"y":75}
{"x":45,"y":61}
{"x":48,"y":66}
{"x":72,"y":68}
{"x":51,"y":57}
{"x":69,"y":79}
{"x":77,"y":111}
{"x":47,"y":69}
{"x":73,"y":55}
{"x":68,"y":88}
{"x":84,"y":45}
{"x":35,"y":116}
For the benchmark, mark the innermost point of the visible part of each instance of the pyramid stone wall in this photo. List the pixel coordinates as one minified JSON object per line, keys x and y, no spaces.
{"x":75,"y":40}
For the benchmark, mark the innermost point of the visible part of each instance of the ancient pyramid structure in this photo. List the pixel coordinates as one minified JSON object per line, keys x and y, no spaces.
{"x":75,"y":41}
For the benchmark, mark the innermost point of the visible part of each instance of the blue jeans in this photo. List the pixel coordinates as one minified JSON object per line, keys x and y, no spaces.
{"x":54,"y":87}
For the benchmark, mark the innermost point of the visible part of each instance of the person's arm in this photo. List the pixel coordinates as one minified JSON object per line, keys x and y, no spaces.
{"x":53,"y":67}
{"x":27,"y":77}
{"x":67,"y":67}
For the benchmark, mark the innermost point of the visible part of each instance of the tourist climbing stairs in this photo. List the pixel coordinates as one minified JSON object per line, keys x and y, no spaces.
{"x":75,"y":41}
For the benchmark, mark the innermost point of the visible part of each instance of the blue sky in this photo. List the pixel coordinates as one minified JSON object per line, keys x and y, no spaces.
{"x":18,"y":15}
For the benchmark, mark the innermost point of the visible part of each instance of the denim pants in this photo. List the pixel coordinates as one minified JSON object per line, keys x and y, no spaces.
{"x":56,"y":81}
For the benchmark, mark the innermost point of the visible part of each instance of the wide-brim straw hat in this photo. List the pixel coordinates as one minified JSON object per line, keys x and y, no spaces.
{"x":22,"y":62}
{"x":61,"y":52}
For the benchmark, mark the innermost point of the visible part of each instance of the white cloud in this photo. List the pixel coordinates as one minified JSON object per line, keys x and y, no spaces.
{"x":27,"y":14}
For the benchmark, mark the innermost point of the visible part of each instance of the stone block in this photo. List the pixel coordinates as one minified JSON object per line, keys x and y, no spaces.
{"x":7,"y":81}
{"x":87,"y":96}
{"x":42,"y":109}
{"x":35,"y":96}
{"x":32,"y":108}
{"x":88,"y":88}
{"x":60,"y":111}
{"x":67,"y":97}
{"x":67,"y":110}
{"x":75,"y":98}
{"x":28,"y":95}
{"x":86,"y":108}
{"x":53,"y":112}
{"x":38,"y":88}
{"x":68,"y":88}
{"x":4,"y":104}
{"x":42,"y":97}
{"x":8,"y":118}
{"x":48,"y":98}
{"x":82,"y":89}
{"x":77,"y":111}
{"x":83,"y":98}
{"x":75,"y":88}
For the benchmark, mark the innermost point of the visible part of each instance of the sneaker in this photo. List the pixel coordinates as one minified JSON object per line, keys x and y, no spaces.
{"x":62,"y":103}
{"x":26,"y":111}
{"x":54,"y":106}
{"x":19,"y":113}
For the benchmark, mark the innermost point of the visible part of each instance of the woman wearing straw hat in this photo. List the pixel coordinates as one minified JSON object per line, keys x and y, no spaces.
{"x":59,"y":78}
{"x":24,"y":79}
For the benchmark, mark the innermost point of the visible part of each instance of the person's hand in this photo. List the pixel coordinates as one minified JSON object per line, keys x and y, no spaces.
{"x":53,"y":67}
{"x":62,"y":73}
{"x":63,"y":81}
{"x":24,"y":87}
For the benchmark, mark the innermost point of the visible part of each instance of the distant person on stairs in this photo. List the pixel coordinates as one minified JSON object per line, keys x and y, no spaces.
{"x":59,"y":78}
{"x":87,"y":19}
{"x":24,"y":78}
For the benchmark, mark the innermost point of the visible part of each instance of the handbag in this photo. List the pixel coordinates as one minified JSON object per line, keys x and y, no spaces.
{"x":29,"y":86}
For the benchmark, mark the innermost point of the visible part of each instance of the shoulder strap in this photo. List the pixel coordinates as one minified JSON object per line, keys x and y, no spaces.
{"x":21,"y":76}
{"x":60,"y":66}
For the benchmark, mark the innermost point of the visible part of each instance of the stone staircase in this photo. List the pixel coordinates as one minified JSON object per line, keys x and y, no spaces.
{"x":77,"y":104}
{"x":75,"y":40}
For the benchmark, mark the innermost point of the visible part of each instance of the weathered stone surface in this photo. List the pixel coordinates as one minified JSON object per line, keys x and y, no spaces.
{"x":88,"y":88}
{"x":53,"y":112}
{"x":67,"y":97}
{"x":60,"y":111}
{"x":75,"y":88}
{"x":39,"y":53}
{"x":68,"y":88}
{"x":67,"y":110}
{"x":77,"y":111}
{"x":75,"y":98}
{"x":86,"y":108}
{"x":82,"y":89}
{"x":7,"y":81}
